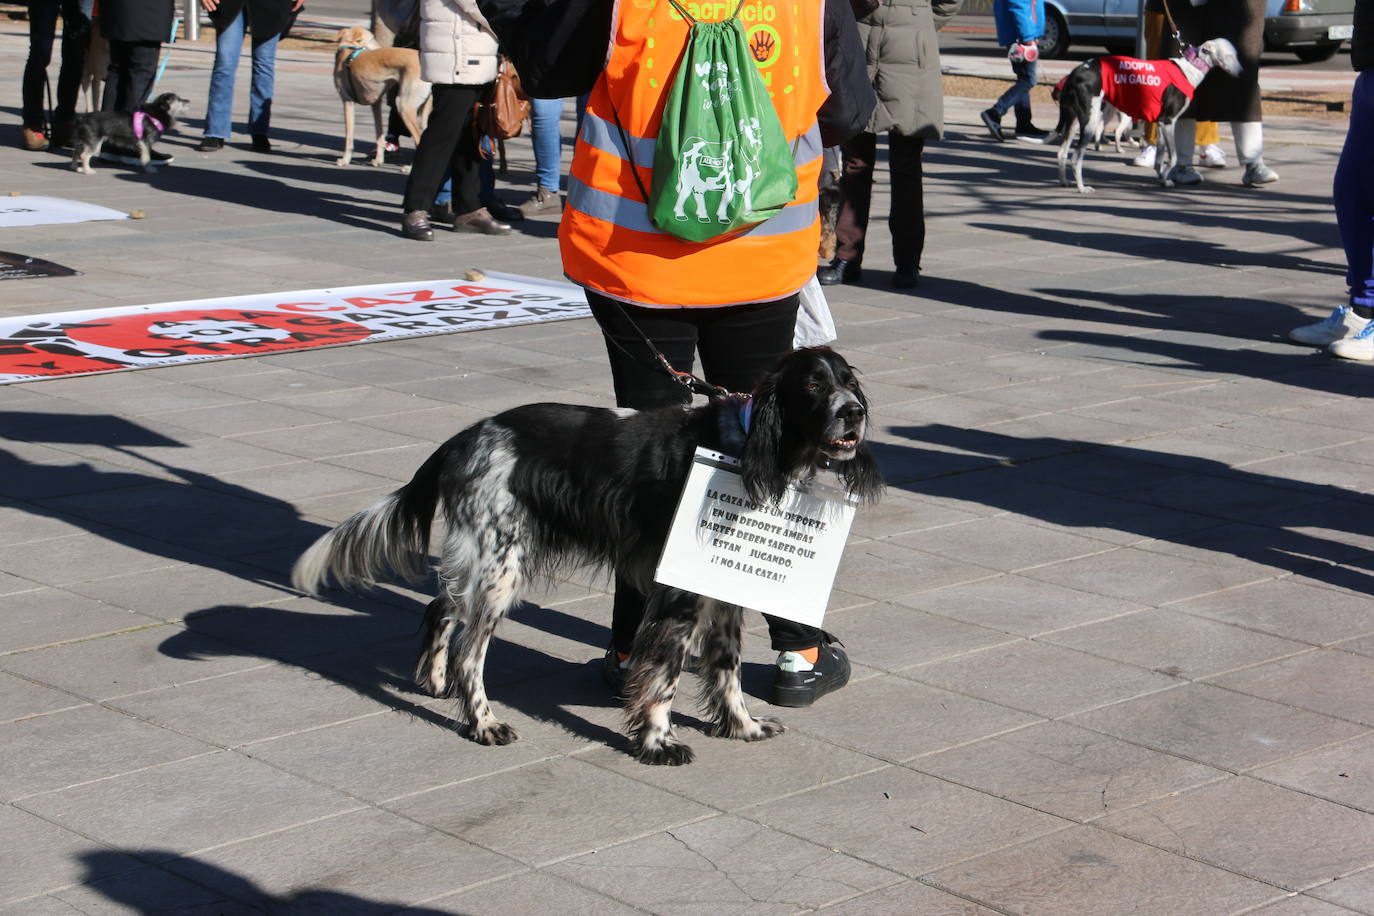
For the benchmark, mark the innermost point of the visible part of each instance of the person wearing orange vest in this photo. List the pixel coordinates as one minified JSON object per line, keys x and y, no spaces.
{"x":732,"y":299}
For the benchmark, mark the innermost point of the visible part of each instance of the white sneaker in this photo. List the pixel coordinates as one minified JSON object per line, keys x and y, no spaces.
{"x":1258,"y":173}
{"x":1339,"y":325}
{"x":1212,"y":156}
{"x":1360,"y":347}
{"x":1185,"y":176}
{"x":1146,"y":159}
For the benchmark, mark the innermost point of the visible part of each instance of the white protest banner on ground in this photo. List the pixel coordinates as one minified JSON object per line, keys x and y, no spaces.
{"x":139,"y":336}
{"x":780,"y":560}
{"x":28,"y":210}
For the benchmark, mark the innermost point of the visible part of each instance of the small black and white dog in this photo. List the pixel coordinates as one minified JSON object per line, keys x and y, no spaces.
{"x":546,"y":486}
{"x":1147,"y":90}
{"x":137,"y":131}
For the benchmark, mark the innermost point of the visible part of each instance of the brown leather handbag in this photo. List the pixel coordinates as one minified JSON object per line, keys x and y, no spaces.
{"x":503,"y":108}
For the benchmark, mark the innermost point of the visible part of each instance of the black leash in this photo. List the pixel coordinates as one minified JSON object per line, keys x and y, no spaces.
{"x":686,"y":379}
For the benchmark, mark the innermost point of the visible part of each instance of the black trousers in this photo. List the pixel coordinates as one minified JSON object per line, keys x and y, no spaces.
{"x":133,"y":67}
{"x":907,"y":219}
{"x":738,"y":345}
{"x":449,"y":141}
{"x":76,"y":36}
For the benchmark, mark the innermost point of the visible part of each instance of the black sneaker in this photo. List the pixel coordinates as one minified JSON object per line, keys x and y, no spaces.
{"x":993,"y":122}
{"x":1032,"y":134}
{"x":802,"y":688}
{"x":840,"y":271}
{"x":210,"y":145}
{"x":613,"y":670}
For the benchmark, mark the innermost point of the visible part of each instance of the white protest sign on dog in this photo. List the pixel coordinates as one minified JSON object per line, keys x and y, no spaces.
{"x":780,"y":560}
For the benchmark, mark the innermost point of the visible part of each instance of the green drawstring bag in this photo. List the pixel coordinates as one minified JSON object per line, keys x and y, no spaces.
{"x":721,"y":162}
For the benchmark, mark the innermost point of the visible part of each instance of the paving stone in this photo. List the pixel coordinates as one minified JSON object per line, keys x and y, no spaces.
{"x":863,"y":718}
{"x":1217,"y":727}
{"x":55,"y":750}
{"x":1290,"y":608}
{"x":1324,"y":680}
{"x":1087,"y":870}
{"x":1355,"y":891}
{"x":40,"y":856}
{"x":350,"y":863}
{"x":912,"y":823}
{"x":145,"y":889}
{"x":188,"y":805}
{"x":904,"y":571}
{"x":173,"y":593}
{"x":548,"y":810}
{"x":43,"y":616}
{"x":1003,"y":674}
{"x":909,"y":897}
{"x":702,"y":868}
{"x":1001,"y":543}
{"x":1342,"y":773}
{"x":146,"y":659}
{"x":729,"y":775}
{"x":100,"y":557}
{"x":1015,"y":604}
{"x":1324,"y":840}
{"x":1066,"y":771}
{"x":532,"y":892}
{"x":1174,"y":643}
{"x":1141,"y":576}
{"x":891,"y":637}
{"x":21,"y":698}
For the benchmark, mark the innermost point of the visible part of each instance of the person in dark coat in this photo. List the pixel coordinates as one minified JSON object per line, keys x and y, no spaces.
{"x":904,"y":66}
{"x":266,"y":21}
{"x":135,"y":30}
{"x":76,"y":35}
{"x":1220,"y":96}
{"x":1349,"y":330}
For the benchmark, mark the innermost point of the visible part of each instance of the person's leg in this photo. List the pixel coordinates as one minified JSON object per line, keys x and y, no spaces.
{"x":220,"y":108}
{"x":436,"y":147}
{"x":142,"y":71}
{"x":262,"y":88}
{"x":858,"y":157}
{"x":640,"y":384}
{"x":906,"y":216}
{"x":1027,"y":71}
{"x":1353,"y":190}
{"x":1249,"y":137}
{"x":1016,"y":97}
{"x":546,"y":117}
{"x":42,"y":30}
{"x":465,"y":159}
{"x":76,"y":38}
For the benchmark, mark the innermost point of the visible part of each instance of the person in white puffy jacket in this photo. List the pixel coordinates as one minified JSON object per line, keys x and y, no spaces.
{"x":458,"y":54}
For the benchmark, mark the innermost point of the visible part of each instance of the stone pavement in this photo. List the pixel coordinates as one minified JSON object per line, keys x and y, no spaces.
{"x":1113,"y":642}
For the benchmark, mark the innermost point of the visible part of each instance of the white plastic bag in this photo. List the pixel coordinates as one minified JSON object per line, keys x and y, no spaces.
{"x":815,"y":325}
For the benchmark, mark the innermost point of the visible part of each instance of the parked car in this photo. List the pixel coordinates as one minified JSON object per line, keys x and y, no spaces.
{"x":1311,"y":29}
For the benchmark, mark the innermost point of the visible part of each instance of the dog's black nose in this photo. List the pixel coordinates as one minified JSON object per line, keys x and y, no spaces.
{"x":851,"y":411}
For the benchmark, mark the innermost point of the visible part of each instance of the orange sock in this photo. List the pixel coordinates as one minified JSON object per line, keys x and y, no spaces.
{"x":812,"y":654}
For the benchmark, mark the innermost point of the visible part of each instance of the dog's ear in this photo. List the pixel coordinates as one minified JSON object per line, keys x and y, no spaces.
{"x":765,"y":478}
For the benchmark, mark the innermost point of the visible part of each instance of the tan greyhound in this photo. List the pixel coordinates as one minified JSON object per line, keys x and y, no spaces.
{"x":364,"y":71}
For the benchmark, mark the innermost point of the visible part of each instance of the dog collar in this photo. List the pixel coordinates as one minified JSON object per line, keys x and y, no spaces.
{"x":139,"y":118}
{"x":745,"y":408}
{"x":1194,"y":57}
{"x":357,"y":49}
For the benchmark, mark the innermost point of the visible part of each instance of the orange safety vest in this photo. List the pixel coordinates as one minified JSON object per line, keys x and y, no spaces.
{"x":606,"y":239}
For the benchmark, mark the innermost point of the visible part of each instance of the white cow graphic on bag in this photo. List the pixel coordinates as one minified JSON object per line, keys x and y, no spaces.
{"x":707,"y":167}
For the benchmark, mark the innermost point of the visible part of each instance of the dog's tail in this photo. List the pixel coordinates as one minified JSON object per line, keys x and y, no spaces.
{"x":389,"y":537}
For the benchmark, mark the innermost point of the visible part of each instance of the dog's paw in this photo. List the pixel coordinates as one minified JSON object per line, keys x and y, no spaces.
{"x":1085,"y":189}
{"x":498,"y":734}
{"x":405,"y":170}
{"x":754,"y":729}
{"x":667,"y":754}
{"x":343,"y":160}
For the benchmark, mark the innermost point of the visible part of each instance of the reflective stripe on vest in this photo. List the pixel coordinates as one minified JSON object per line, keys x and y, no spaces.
{"x":606,"y":239}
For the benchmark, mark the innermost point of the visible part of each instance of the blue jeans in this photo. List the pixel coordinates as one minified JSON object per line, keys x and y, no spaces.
{"x":545,"y":115}
{"x":1018,"y":96}
{"x":228,"y":46}
{"x":1353,"y":190}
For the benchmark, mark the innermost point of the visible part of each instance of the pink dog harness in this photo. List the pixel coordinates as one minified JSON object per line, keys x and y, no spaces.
{"x":139,"y":118}
{"x":1137,"y":86}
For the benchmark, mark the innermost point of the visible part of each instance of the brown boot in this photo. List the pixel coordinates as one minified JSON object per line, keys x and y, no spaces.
{"x":415,"y":226}
{"x":479,"y":221}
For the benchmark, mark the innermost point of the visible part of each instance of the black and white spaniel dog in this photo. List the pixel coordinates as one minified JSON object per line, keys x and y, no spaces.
{"x":547,"y":486}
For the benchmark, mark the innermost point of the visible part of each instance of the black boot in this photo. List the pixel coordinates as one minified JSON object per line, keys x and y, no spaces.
{"x":906,"y":277}
{"x":840,"y":271}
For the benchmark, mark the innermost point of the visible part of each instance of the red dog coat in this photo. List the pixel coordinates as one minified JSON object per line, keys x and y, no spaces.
{"x":1136,"y":87}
